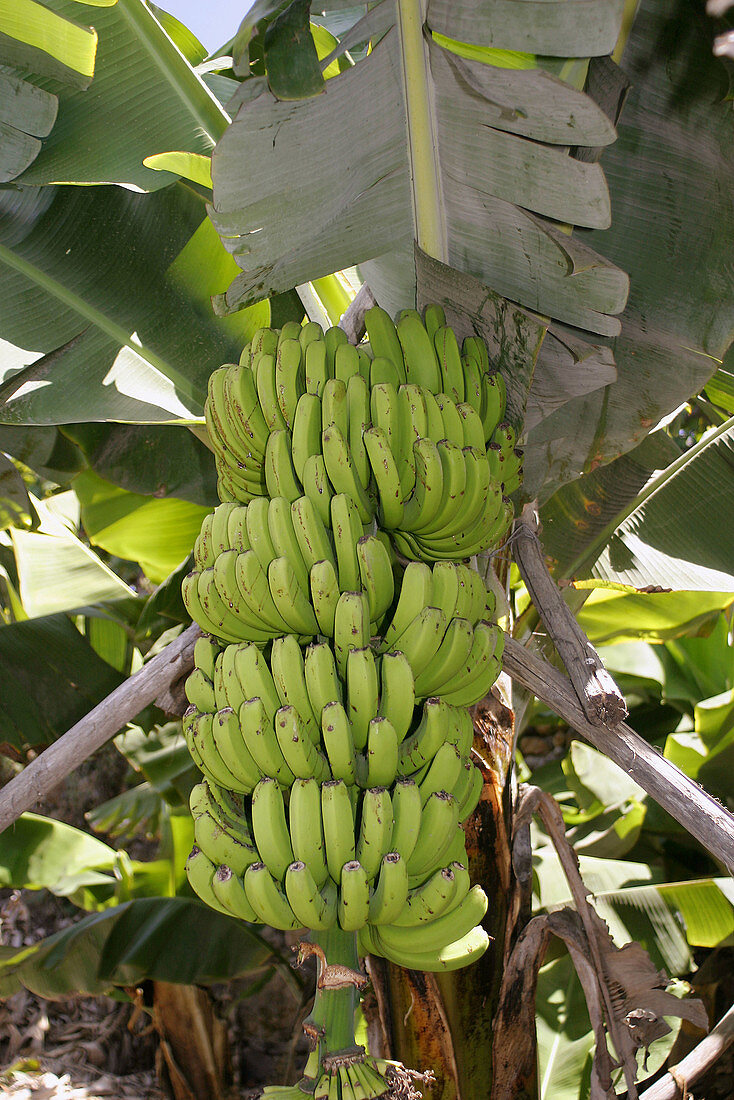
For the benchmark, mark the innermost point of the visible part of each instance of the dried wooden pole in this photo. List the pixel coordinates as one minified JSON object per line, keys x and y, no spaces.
{"x":689,"y":804}
{"x":94,"y":729}
{"x":674,"y":1085}
{"x":601,"y":699}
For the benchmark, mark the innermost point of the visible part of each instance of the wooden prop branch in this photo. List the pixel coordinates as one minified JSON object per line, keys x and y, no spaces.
{"x":674,"y":1085}
{"x":689,"y":804}
{"x":100,"y":725}
{"x":601,"y":699}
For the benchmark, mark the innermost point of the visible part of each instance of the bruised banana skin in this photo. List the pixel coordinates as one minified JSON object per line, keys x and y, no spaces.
{"x":330,"y":691}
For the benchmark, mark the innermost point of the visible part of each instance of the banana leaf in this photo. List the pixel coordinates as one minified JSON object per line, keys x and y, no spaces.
{"x":138,"y":73}
{"x":164,"y":939}
{"x":157,"y":533}
{"x":675,"y":532}
{"x":50,"y":677}
{"x":48,"y":43}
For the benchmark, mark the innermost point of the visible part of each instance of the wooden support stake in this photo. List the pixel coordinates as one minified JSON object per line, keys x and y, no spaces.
{"x":602,"y":701}
{"x":689,"y":804}
{"x":32,"y":785}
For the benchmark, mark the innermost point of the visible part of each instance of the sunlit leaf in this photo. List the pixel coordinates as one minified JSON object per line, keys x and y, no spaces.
{"x":156,"y":533}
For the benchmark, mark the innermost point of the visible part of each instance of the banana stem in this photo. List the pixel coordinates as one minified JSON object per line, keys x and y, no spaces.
{"x":333,"y":1009}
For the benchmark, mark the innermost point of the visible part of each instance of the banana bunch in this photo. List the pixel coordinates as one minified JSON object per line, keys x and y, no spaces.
{"x":414,"y":435}
{"x":298,"y":716}
{"x":329,"y":700}
{"x":387,"y":863}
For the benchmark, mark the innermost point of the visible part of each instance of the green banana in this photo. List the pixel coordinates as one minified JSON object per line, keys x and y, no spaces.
{"x":200,"y":691}
{"x":334,"y":406}
{"x":384,"y":340}
{"x":391,"y":891}
{"x":421,"y":364}
{"x":346,"y":362}
{"x":472,"y":426}
{"x":319,"y":369}
{"x":227,"y":736}
{"x":427,"y":902}
{"x":422,"y":638}
{"x":283,"y":534}
{"x":301,"y":755}
{"x":314,"y":539}
{"x":338,"y":821}
{"x":362,"y":692}
{"x":313,"y":906}
{"x":407,"y":817}
{"x":358,"y":412}
{"x":200,"y":871}
{"x":266,"y":392}
{"x":443,"y":772}
{"x":397,"y":692}
{"x":333,"y":338}
{"x":306,"y":432}
{"x":382,"y":753}
{"x":221,"y":846}
{"x":439,"y":820}
{"x":416,"y":592}
{"x":322,"y":680}
{"x":255,"y":677}
{"x":382,"y":370}
{"x":450,"y":656}
{"x":354,"y":896}
{"x":252,"y":585}
{"x":375,"y":570}
{"x":307,"y":834}
{"x":310,"y":333}
{"x":375,"y":831}
{"x":342,"y":472}
{"x":481,"y":668}
{"x":268,"y":898}
{"x":347,"y":530}
{"x":325,"y":593}
{"x":387,"y":478}
{"x":453,"y":956}
{"x":290,"y":378}
{"x":229,"y":889}
{"x":270,"y":827}
{"x":422,"y":745}
{"x":291,"y":601}
{"x":433,"y":318}
{"x":449,"y":362}
{"x":280,"y":476}
{"x":260,"y":738}
{"x":336,"y":732}
{"x":289,"y":676}
{"x":453,"y":428}
{"x":351,"y":627}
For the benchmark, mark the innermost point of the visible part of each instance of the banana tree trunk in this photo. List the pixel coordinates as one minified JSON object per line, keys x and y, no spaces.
{"x":444,"y":1022}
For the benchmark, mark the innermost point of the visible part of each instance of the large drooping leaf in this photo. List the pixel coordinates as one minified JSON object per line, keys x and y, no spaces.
{"x":167,"y":939}
{"x":58,"y":572}
{"x":50,"y":43}
{"x":678,"y":532}
{"x":98,"y":282}
{"x":157,"y":533}
{"x":610,"y":615}
{"x":480,"y":154}
{"x":139,"y":74}
{"x":50,"y":677}
{"x":577,"y":514}
{"x":675,"y":142}
{"x":155,"y":460}
{"x":40,"y":853}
